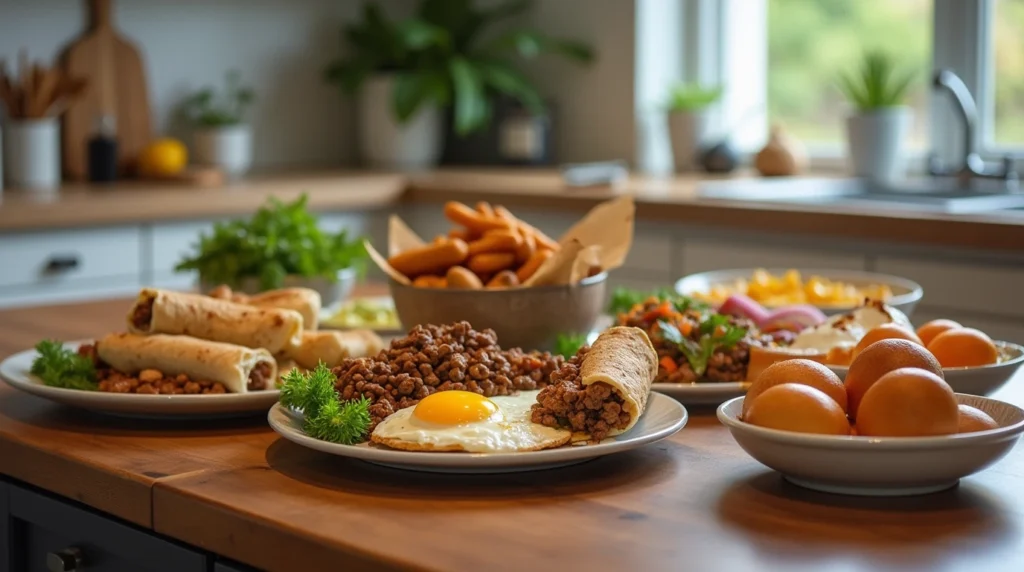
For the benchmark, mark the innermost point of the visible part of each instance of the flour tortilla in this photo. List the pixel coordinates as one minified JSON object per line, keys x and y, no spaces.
{"x":200,"y":360}
{"x":177,"y":313}
{"x":305,"y":301}
{"x":331,"y":347}
{"x":625,"y":359}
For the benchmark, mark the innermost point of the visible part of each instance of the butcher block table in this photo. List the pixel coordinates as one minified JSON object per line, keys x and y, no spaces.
{"x":694,"y":501}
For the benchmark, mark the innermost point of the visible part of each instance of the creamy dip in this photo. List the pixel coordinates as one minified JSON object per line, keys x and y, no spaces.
{"x":845,"y":330}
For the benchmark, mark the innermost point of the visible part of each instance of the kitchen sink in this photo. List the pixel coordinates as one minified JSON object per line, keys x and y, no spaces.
{"x":932,"y":194}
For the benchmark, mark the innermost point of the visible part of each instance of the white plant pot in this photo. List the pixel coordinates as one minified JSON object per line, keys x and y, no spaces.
{"x":688,"y":131}
{"x":384,"y":143}
{"x":227,"y":148}
{"x":32,"y":153}
{"x":876,"y":142}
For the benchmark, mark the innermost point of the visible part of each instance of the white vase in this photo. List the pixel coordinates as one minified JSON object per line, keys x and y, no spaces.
{"x":229,"y":148}
{"x":387,"y":144}
{"x":32,"y":153}
{"x":688,"y":131}
{"x":876,"y":142}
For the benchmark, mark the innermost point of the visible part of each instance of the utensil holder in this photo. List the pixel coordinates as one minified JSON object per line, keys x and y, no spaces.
{"x":32,"y":153}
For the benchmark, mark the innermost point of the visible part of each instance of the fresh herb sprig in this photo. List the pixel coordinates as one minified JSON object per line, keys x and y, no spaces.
{"x":566,"y":345}
{"x":59,"y":366}
{"x":715,"y":332}
{"x":281,"y":239}
{"x":624,"y":299}
{"x":326,"y":417}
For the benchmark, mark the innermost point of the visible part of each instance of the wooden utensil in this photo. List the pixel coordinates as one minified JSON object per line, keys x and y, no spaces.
{"x":117,"y":87}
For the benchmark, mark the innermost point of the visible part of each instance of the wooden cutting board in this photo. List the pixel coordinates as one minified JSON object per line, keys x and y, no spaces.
{"x":116,"y":86}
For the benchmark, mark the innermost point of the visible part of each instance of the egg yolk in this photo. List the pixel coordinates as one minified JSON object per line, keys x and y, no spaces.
{"x":454,"y":408}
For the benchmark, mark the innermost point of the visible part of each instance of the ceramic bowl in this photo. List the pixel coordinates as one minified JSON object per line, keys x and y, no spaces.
{"x":906,"y":293}
{"x":981,"y":380}
{"x":529,"y":318}
{"x":878,"y":466}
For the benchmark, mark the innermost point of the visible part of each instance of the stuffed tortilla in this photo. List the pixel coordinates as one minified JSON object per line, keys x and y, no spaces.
{"x":331,"y":347}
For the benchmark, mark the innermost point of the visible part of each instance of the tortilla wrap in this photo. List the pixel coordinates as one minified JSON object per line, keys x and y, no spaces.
{"x":331,"y":347}
{"x":198,"y":359}
{"x":625,"y":359}
{"x":166,"y":312}
{"x":305,"y":301}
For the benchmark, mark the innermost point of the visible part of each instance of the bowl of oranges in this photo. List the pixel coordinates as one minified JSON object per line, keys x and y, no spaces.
{"x":971,"y":361}
{"x":892,"y":427}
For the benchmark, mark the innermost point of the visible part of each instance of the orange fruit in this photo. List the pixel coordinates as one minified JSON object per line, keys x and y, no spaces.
{"x":908,"y":402}
{"x":879,"y":359}
{"x":885,"y":332}
{"x":964,"y":347}
{"x":163,"y":158}
{"x":799,"y":408}
{"x":927,"y":332}
{"x":973,"y":419}
{"x":802,"y":371}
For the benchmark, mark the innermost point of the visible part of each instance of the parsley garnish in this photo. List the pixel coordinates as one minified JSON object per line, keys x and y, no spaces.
{"x":623,"y":300}
{"x":568,"y":344}
{"x":59,"y":366}
{"x":715,"y":332}
{"x":326,"y":417}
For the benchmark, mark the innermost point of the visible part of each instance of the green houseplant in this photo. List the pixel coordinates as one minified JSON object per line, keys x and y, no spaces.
{"x":442,"y":56}
{"x":687,"y":106}
{"x":280,"y":245}
{"x":221,"y":137}
{"x":880,"y":121}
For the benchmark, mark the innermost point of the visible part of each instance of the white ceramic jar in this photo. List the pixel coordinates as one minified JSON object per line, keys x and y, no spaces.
{"x":228,"y":148}
{"x":32,"y":153}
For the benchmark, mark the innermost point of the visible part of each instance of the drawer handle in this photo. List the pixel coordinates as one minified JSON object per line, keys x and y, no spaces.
{"x":62,"y":263}
{"x":67,"y":560}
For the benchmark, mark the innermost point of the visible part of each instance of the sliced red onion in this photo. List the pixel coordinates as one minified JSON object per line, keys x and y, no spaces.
{"x":744,"y":307}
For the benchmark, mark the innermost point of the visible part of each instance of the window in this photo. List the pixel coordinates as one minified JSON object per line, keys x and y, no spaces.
{"x":1006,"y":70}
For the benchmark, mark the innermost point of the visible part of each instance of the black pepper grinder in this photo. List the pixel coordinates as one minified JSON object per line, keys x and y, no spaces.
{"x":103,"y":151}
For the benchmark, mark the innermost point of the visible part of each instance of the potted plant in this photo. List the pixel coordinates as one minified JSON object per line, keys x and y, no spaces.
{"x":221,"y":137}
{"x":281,"y":245}
{"x":687,"y":108}
{"x":409,"y":73}
{"x":878,"y":127}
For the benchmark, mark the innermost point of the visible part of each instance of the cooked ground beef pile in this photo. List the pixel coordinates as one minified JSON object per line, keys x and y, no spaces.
{"x":566,"y":403}
{"x":439,"y":358}
{"x":149,"y":381}
{"x":142,"y":315}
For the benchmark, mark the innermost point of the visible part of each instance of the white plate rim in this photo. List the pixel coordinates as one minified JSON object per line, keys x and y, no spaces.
{"x":279,"y":419}
{"x":860,"y":443}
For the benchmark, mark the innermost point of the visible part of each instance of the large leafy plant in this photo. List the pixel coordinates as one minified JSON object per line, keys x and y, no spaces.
{"x":208,"y":108}
{"x":878,"y":83}
{"x":444,"y":55}
{"x":281,"y":239}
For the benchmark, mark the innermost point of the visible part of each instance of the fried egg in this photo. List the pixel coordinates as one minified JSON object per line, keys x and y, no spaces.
{"x":466,"y":421}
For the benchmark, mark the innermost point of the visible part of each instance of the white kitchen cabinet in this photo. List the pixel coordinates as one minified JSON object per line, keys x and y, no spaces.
{"x":963,"y":286}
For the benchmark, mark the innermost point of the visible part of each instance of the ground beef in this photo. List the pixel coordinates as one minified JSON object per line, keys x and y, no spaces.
{"x":438,"y":358}
{"x":595,"y":409}
{"x":259,"y":377}
{"x":142,"y":314}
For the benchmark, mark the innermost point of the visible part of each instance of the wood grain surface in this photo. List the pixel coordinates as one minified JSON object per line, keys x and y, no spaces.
{"x":668,"y":200}
{"x":692,"y":502}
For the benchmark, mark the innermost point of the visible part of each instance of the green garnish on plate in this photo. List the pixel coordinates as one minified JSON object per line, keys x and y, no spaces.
{"x":566,"y":345}
{"x":61,"y":367}
{"x":624,"y":299}
{"x":326,"y":417}
{"x":715,"y":332}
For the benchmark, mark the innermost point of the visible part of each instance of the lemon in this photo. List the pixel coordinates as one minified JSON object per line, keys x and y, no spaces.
{"x":163,"y":158}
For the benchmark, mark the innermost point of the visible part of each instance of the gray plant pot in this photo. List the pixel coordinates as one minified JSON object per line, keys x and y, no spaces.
{"x":876,"y":142}
{"x":330,"y":292}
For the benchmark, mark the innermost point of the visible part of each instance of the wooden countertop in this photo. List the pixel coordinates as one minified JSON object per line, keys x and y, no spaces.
{"x":671,"y":200}
{"x":694,"y":501}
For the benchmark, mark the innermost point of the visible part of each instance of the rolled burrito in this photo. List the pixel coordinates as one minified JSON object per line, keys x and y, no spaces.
{"x":609,"y":383}
{"x":331,"y":347}
{"x":240,"y":369}
{"x":305,"y":301}
{"x":165,"y":312}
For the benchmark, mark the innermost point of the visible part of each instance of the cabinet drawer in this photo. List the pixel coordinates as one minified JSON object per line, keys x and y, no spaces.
{"x":65,"y":256}
{"x":994,"y":289}
{"x":43,"y":527}
{"x":705,"y":255}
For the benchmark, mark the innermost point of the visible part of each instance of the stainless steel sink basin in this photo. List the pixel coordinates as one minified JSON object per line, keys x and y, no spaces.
{"x":931,"y":194}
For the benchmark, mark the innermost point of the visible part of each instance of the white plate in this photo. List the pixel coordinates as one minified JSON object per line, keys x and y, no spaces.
{"x":879,"y":466}
{"x":981,"y":380}
{"x":327,"y":313}
{"x":15,"y":371}
{"x":703,"y":393}
{"x":662,"y":418}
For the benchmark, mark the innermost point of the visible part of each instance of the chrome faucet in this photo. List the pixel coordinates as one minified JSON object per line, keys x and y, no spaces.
{"x":973,"y":165}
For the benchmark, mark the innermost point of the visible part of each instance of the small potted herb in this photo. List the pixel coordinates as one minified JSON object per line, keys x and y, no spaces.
{"x":877,"y":128}
{"x":221,"y":137}
{"x":281,"y":245}
{"x":687,"y":107}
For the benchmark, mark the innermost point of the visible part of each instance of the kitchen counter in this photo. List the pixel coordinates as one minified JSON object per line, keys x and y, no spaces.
{"x":694,"y":501}
{"x":672,"y":200}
